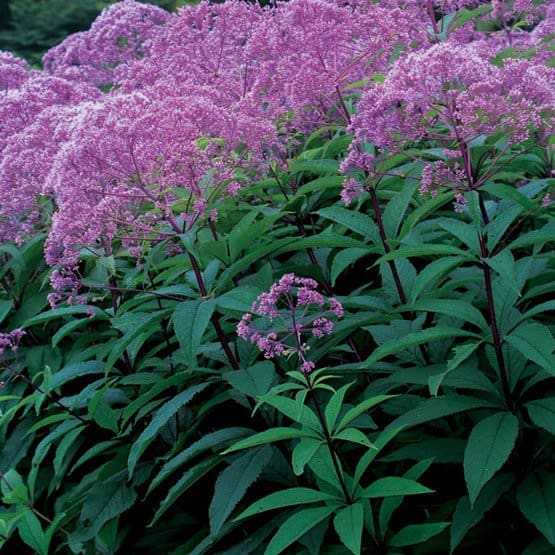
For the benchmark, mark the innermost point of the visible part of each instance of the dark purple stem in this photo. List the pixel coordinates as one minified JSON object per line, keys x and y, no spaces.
{"x":497,"y":341}
{"x":327,"y":435}
{"x":386,"y":247}
{"x":432,"y":15}
{"x":215,"y":318}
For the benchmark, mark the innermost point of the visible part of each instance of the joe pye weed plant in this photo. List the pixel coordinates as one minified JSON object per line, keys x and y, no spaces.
{"x":280,"y":280}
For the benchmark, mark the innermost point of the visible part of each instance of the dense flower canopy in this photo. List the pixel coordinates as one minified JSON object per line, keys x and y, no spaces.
{"x":194,"y":104}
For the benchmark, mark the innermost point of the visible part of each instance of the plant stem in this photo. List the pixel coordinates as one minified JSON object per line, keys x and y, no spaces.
{"x":497,"y":341}
{"x":321,"y":418}
{"x":52,"y":395}
{"x":329,"y":442}
{"x":163,"y":323}
{"x":392,"y":266}
{"x":386,"y":247}
{"x":432,"y":15}
{"x":215,"y":318}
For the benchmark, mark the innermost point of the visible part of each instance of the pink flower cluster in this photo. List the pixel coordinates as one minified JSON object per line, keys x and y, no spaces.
{"x":118,"y":36}
{"x":10,"y":340}
{"x":13,"y":71}
{"x":294,"y":310}
{"x":199,"y":102}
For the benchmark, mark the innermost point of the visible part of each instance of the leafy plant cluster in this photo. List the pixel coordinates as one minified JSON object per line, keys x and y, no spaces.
{"x":276,"y":372}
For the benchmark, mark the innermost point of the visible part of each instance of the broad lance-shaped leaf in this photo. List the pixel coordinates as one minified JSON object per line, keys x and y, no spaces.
{"x":334,"y":405}
{"x":31,"y":531}
{"x":105,"y":503}
{"x":211,"y":440}
{"x":303,"y":453}
{"x":355,"y":221}
{"x":536,"y":343}
{"x":365,"y":405}
{"x":542,"y":413}
{"x":489,"y":446}
{"x":286,"y":498}
{"x":233,"y":483}
{"x":190,"y":320}
{"x":417,"y":533}
{"x":455,"y":308}
{"x":536,"y":500}
{"x":158,"y":422}
{"x":391,"y":504}
{"x":269,"y":436}
{"x":438,"y":407}
{"x":394,"y":485}
{"x":467,"y":516}
{"x":348,"y":524}
{"x":460,"y":354}
{"x":189,"y":478}
{"x":412,"y":339}
{"x":295,"y":527}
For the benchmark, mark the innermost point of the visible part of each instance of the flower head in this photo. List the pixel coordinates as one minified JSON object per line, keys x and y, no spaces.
{"x":292,"y":311}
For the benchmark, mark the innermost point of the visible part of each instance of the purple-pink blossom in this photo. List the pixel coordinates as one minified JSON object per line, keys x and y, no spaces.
{"x":287,"y":316}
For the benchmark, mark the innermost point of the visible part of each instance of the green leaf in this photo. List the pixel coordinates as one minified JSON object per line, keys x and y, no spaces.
{"x":536,"y":500}
{"x":504,"y":264}
{"x":135,"y":326}
{"x":59,"y":313}
{"x":254,"y":381}
{"x":269,"y":436}
{"x":355,"y":221}
{"x":395,"y":210}
{"x":536,"y":237}
{"x":334,"y":405}
{"x":466,"y":516}
{"x":423,"y":250}
{"x":286,"y":498}
{"x":190,"y":320}
{"x":460,"y":354}
{"x":189,"y":478}
{"x":390,"y":504}
{"x":542,"y":413}
{"x":412,"y":339}
{"x":462,"y":231}
{"x":239,"y":299}
{"x":315,"y":166}
{"x":489,"y":446}
{"x":394,"y":485}
{"x":432,"y":273}
{"x":438,"y":407}
{"x":77,"y":370}
{"x":31,"y":531}
{"x":536,"y":343}
{"x":303,"y":453}
{"x":344,"y":258}
{"x":158,"y":421}
{"x":102,"y":413}
{"x":16,"y":492}
{"x":296,"y":411}
{"x":295,"y":527}
{"x":417,"y":533}
{"x":211,"y":440}
{"x":105,"y":503}
{"x":348,"y":524}
{"x":5,"y":308}
{"x":365,"y":405}
{"x":353,"y":435}
{"x":456,"y":308}
{"x":465,"y":15}
{"x":366,"y":460}
{"x":233,"y":483}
